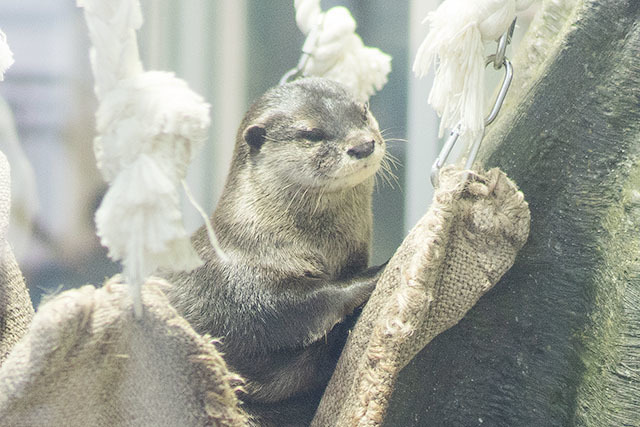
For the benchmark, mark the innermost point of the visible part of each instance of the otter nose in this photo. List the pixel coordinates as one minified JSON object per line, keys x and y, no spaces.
{"x":363,"y":150}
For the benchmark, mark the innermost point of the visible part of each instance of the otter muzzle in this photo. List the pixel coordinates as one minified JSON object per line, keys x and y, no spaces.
{"x":363,"y":150}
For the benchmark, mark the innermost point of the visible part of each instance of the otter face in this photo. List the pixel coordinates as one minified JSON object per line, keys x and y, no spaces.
{"x":313,"y":133}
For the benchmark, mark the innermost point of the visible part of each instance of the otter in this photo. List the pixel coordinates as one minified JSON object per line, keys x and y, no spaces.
{"x":295,"y":222}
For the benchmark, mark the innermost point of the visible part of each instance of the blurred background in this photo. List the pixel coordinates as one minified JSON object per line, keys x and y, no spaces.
{"x":229,"y":51}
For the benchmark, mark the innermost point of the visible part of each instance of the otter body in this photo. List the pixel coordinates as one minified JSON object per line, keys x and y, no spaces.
{"x":295,"y":222}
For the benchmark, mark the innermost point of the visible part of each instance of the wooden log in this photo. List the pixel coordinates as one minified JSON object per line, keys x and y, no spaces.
{"x":557,"y":341}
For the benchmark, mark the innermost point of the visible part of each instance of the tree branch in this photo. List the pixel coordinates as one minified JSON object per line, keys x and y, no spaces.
{"x":556,"y":343}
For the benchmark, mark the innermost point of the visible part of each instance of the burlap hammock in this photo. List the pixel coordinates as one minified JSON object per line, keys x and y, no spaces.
{"x":85,"y":361}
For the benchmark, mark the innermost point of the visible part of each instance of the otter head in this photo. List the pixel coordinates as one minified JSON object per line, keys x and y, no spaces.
{"x":310,"y":133}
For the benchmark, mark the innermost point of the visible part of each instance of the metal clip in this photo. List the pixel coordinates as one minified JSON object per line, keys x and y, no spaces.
{"x":444,"y":154}
{"x":506,"y":83}
{"x":455,"y":133}
{"x":309,"y":45}
{"x":503,"y":42}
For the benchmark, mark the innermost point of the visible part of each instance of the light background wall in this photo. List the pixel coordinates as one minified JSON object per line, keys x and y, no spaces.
{"x":230,"y":51}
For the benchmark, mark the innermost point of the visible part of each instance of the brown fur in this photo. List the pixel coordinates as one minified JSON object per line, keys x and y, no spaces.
{"x":295,"y":221}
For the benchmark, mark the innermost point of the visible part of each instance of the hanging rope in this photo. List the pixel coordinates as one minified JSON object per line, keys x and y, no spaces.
{"x":6,"y":56}
{"x":333,"y":50}
{"x":150,"y":125}
{"x":459,"y":30}
{"x":499,"y":60}
{"x":6,"y":60}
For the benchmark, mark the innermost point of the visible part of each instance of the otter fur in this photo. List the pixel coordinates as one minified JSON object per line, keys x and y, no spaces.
{"x":295,"y":222}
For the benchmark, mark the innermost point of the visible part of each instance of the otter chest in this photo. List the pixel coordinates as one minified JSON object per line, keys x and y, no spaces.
{"x":342,"y":241}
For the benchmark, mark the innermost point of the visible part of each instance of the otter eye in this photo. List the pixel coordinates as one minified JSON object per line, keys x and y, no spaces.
{"x":313,"y":135}
{"x":365,"y":112}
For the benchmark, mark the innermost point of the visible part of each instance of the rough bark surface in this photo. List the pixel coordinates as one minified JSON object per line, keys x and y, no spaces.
{"x":557,"y":342}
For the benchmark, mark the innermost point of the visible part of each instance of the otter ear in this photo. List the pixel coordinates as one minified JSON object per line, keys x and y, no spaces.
{"x":255,"y":135}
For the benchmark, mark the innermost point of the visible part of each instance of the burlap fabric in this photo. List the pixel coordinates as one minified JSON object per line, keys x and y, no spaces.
{"x":16,"y":310}
{"x":87,"y":362}
{"x":454,"y":255}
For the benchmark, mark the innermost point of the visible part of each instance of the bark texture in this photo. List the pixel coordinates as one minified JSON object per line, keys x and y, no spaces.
{"x":557,"y":342}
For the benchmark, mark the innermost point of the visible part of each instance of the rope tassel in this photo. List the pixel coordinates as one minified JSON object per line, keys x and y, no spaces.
{"x":333,"y":50}
{"x":6,"y":56}
{"x":150,"y":125}
{"x":459,"y":30}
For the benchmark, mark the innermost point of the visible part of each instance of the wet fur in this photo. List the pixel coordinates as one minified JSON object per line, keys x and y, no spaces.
{"x":295,"y":221}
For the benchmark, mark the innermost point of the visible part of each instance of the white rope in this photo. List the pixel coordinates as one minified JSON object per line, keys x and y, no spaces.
{"x":459,"y":30}
{"x":150,"y":125}
{"x":337,"y":52}
{"x":6,"y":56}
{"x":6,"y":60}
{"x":5,"y":203}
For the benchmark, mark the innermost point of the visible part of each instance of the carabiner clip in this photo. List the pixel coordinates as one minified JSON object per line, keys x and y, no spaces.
{"x":503,"y":42}
{"x":506,"y":83}
{"x":309,"y":45}
{"x":444,"y":154}
{"x":455,"y":133}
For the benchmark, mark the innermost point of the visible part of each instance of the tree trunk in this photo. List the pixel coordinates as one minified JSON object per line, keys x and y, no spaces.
{"x":557,"y":341}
